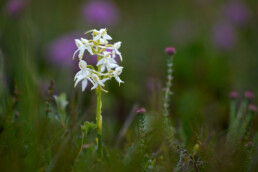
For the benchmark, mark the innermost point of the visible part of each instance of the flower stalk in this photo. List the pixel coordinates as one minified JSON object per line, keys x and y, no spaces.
{"x":168,"y":128}
{"x":99,"y":123}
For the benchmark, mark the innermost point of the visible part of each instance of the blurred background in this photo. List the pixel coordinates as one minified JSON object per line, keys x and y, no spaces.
{"x":216,"y":43}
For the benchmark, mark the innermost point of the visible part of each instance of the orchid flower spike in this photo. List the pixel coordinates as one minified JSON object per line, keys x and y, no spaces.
{"x":107,"y":66}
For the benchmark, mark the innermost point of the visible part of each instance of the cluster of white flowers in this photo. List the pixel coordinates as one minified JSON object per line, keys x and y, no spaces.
{"x":106,"y":53}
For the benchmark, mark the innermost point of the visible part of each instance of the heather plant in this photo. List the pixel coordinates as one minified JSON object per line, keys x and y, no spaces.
{"x":240,"y":118}
{"x":169,"y":131}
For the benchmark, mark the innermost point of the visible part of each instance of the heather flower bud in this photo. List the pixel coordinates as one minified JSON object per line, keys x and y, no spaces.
{"x":141,"y":111}
{"x":233,"y":95}
{"x":249,"y":95}
{"x":252,"y":108}
{"x":170,"y":51}
{"x":249,"y":144}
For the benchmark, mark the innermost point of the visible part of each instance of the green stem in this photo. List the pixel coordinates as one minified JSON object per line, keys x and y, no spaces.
{"x":99,"y":123}
{"x":80,"y":147}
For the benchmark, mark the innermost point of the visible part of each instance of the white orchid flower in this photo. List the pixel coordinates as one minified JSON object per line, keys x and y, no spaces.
{"x":107,"y":62}
{"x":80,"y":48}
{"x":97,"y":81}
{"x":116,"y":74}
{"x":83,"y":75}
{"x":88,"y":45}
{"x":100,"y":36}
{"x":115,"y":50}
{"x":83,"y":45}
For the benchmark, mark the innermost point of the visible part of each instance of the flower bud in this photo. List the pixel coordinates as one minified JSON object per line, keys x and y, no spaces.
{"x":141,"y":111}
{"x":249,"y":95}
{"x":170,"y":51}
{"x":252,"y":108}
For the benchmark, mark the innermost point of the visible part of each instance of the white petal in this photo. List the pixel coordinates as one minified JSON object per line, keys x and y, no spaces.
{"x":91,"y":81}
{"x":118,"y":79}
{"x":107,"y":37}
{"x":94,"y":86}
{"x":100,"y":62}
{"x":84,"y":84}
{"x":85,"y":41}
{"x":112,"y":60}
{"x":112,"y":65}
{"x":78,"y":43}
{"x":97,"y":37}
{"x":79,"y":78}
{"x":104,"y":80}
{"x":117,"y":45}
{"x":90,"y":50}
{"x":77,"y":74}
{"x":75,"y":53}
{"x":82,"y":49}
{"x":102,"y":30}
{"x":120,"y":55}
{"x":118,"y":70}
{"x":101,"y":83}
{"x":102,"y":68}
{"x":90,"y":31}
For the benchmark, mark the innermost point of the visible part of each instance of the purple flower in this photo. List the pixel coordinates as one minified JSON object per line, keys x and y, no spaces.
{"x":61,"y":51}
{"x":14,"y":7}
{"x":224,"y":35}
{"x":100,"y":12}
{"x":237,"y":12}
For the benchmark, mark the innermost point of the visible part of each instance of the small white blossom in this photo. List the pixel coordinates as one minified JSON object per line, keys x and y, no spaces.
{"x":83,"y":45}
{"x":101,"y":36}
{"x":115,"y":50}
{"x":80,"y":48}
{"x":83,"y":75}
{"x":97,"y":81}
{"x":116,"y":74}
{"x":107,"y":62}
{"x":88,"y":45}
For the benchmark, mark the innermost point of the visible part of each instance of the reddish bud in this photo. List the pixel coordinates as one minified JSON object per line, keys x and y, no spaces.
{"x":141,"y":111}
{"x":249,"y":144}
{"x":170,"y":51}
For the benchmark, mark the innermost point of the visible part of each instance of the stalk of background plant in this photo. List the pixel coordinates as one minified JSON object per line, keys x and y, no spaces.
{"x":169,"y":130}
